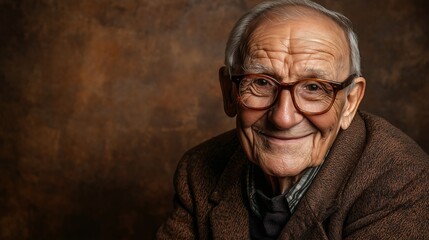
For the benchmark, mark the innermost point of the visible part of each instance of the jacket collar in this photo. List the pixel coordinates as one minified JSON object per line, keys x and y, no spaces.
{"x":229,"y":217}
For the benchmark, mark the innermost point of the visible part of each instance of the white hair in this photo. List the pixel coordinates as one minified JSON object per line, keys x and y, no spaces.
{"x":239,"y":36}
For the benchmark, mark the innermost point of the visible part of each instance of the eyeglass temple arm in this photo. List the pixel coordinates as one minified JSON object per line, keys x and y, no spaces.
{"x":348,"y":80}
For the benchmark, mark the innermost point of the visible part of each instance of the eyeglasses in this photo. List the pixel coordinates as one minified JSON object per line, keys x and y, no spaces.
{"x":311,"y":96}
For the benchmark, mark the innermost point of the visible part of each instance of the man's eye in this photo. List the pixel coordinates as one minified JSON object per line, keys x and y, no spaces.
{"x":313,"y":87}
{"x":261,"y":82}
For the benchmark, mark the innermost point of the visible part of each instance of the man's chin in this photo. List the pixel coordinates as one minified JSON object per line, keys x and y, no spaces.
{"x":286,"y":165}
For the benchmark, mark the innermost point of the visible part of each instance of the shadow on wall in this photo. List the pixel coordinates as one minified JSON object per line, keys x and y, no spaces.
{"x":99,"y":99}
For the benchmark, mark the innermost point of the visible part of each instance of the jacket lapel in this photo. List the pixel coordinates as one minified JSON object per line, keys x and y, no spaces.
{"x":229,"y":216}
{"x":324,"y":194}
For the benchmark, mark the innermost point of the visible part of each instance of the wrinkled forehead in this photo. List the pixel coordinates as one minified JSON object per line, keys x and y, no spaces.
{"x":298,"y":29}
{"x":315,"y":20}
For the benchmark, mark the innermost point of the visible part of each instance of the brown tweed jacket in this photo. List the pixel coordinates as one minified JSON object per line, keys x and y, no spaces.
{"x":373,"y":185}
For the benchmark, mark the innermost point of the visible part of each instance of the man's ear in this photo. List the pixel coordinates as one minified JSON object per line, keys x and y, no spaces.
{"x":353,"y":99}
{"x":229,"y":105}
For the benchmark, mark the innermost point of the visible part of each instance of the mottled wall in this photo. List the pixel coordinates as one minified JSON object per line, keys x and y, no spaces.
{"x":99,"y":99}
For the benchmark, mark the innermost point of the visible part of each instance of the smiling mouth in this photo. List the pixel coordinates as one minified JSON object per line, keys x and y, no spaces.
{"x":272,"y":137}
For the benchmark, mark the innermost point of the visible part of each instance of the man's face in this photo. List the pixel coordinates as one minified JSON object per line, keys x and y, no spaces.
{"x":281,"y":140}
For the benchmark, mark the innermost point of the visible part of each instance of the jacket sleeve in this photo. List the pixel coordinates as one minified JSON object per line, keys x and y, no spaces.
{"x":180,"y":224}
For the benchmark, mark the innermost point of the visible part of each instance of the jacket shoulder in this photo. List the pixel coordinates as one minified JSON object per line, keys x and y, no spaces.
{"x":390,"y":158}
{"x":389,"y":183}
{"x":213,"y":153}
{"x":195,"y":178}
{"x":387,"y":141}
{"x":202,"y":165}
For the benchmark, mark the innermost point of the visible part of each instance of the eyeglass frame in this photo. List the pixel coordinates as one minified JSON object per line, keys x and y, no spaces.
{"x":336,"y":86}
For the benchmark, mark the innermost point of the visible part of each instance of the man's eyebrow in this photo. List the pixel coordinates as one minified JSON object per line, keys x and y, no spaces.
{"x":308,"y":72}
{"x":314,"y":73}
{"x":258,"y":68}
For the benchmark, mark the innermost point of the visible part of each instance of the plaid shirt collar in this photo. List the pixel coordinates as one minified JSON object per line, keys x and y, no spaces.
{"x":293,"y":196}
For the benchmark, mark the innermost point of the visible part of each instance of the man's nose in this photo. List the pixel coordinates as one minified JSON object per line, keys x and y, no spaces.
{"x":283,"y":114}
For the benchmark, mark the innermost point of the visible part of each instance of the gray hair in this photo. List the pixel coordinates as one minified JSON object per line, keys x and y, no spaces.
{"x":239,"y":35}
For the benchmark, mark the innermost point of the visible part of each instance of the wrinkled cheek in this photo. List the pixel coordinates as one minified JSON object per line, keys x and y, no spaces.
{"x":328,"y":126}
{"x":246,"y":120}
{"x":328,"y":123}
{"x":247,"y":142}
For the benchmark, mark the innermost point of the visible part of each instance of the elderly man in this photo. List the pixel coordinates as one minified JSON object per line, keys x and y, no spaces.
{"x":303,"y":162}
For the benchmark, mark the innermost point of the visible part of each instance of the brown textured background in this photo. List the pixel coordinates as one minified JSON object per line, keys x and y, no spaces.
{"x":99,"y":99}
